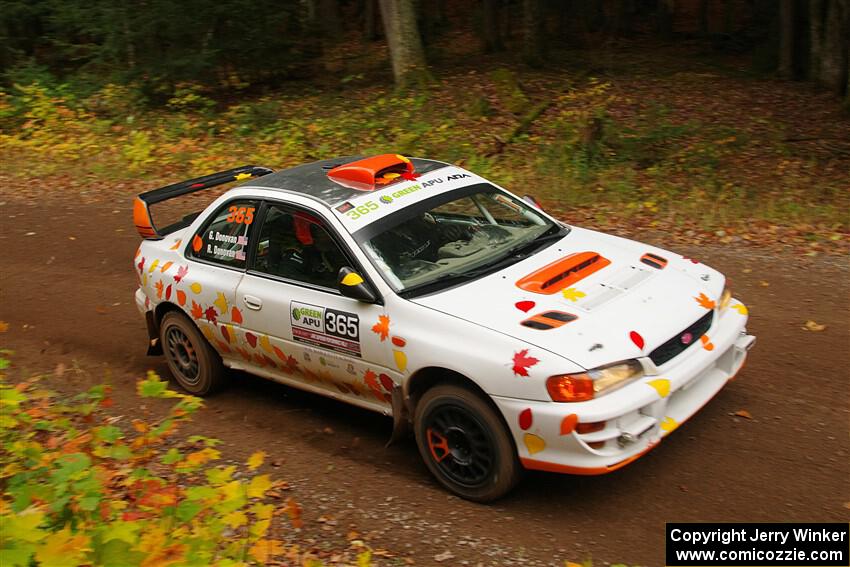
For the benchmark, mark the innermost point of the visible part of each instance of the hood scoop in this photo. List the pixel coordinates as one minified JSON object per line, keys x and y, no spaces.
{"x":563,"y":273}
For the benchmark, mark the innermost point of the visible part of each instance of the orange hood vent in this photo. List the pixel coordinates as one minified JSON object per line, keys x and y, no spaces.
{"x":563,"y":273}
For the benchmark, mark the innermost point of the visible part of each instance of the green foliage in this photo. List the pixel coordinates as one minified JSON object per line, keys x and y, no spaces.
{"x":509,"y":90}
{"x":593,"y":145}
{"x":81,"y":487}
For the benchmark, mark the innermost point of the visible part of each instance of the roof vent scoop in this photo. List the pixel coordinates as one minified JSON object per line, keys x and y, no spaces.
{"x":563,"y":273}
{"x":370,"y":173}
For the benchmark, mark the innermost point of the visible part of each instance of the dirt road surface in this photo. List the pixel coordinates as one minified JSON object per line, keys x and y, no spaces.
{"x":67,"y":286}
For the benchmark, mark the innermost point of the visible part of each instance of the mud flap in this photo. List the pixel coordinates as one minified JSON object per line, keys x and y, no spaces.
{"x":154,"y":346}
{"x":401,"y":421}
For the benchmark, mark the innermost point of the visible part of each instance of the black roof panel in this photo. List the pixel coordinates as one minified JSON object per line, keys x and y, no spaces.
{"x":311,"y":179}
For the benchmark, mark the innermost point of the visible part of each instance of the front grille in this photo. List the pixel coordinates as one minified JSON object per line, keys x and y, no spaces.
{"x":674,"y":347}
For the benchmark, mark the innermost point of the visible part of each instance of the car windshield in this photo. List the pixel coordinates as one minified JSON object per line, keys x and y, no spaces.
{"x":458,"y":237}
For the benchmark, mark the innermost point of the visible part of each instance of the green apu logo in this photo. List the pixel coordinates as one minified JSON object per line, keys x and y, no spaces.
{"x":299,"y":312}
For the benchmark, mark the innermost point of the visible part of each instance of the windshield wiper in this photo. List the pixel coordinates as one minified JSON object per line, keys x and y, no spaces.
{"x":521,"y":249}
{"x":510,"y":257}
{"x":446,"y":280}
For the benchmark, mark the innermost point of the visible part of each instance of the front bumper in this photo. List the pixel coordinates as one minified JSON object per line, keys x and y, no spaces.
{"x":636,"y":417}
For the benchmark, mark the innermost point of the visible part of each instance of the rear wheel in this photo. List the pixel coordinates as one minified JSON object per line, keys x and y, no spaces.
{"x":196,"y":367}
{"x":465,"y":444}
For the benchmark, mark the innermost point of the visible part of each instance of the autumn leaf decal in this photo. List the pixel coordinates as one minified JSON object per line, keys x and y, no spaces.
{"x":371,"y":380}
{"x":704,"y":301}
{"x":382,"y":327}
{"x":197,"y":312}
{"x":221,"y":303}
{"x":158,"y":286}
{"x":572,"y":294}
{"x":740,"y":308}
{"x":181,"y":273}
{"x":211,"y":314}
{"x":522,"y":362}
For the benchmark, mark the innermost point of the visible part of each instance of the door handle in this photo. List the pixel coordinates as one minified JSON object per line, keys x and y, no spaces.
{"x":252,"y":302}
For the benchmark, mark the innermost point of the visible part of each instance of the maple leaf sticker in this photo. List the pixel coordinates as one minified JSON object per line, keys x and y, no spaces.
{"x":211,"y":314}
{"x":181,"y":273}
{"x":382,"y":327}
{"x":522,"y":362}
{"x":158,"y":286}
{"x":197,"y":312}
{"x":371,"y":380}
{"x":704,"y":301}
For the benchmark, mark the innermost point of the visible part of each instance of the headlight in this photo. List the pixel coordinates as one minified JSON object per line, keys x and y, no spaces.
{"x":725,"y":298}
{"x":585,"y":386}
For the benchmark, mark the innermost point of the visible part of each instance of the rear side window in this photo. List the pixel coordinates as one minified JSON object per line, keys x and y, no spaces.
{"x":224,"y":238}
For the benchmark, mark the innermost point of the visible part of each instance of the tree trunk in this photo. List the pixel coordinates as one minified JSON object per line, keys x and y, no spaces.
{"x":815,"y":37}
{"x":330,"y":18}
{"x":786,"y":38}
{"x":704,"y":20}
{"x":370,"y":20}
{"x":404,"y":42}
{"x":834,"y":46}
{"x":534,"y":40}
{"x":490,"y":27}
{"x":664,"y":18}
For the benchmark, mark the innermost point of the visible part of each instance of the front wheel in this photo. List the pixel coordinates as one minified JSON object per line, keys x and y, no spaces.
{"x":465,"y":444}
{"x":196,"y":367}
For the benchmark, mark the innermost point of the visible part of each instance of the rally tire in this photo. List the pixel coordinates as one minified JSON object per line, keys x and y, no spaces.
{"x":465,"y":444}
{"x":194,"y":364}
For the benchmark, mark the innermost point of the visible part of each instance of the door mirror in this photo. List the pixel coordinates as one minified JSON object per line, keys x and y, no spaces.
{"x":351,"y":284}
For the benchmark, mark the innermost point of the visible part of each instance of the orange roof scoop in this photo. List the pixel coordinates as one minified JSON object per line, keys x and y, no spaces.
{"x":370,"y":173}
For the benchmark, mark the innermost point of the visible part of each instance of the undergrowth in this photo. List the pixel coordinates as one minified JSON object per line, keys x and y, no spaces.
{"x":79,"y":486}
{"x":594,"y":147}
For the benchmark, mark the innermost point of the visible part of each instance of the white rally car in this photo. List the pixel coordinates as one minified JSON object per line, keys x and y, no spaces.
{"x":417,"y":289}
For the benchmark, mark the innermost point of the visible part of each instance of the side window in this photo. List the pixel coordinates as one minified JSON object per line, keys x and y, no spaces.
{"x":224,"y":239}
{"x":296,"y":245}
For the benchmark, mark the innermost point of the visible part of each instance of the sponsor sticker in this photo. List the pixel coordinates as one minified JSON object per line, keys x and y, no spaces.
{"x":324,"y":327}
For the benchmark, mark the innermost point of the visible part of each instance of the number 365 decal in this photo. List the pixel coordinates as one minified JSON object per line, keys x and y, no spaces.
{"x":324,"y":327}
{"x":240,"y":215}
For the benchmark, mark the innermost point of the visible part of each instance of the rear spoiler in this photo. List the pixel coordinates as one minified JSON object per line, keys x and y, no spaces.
{"x":141,"y":212}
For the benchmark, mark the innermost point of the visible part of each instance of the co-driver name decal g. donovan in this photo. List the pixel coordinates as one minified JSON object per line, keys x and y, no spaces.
{"x":325,"y":328}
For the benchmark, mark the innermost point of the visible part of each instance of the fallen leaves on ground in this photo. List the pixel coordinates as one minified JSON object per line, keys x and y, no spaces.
{"x":744,"y":413}
{"x":814,"y":327}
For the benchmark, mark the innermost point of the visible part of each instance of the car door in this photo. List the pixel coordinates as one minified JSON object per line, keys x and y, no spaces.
{"x":217,"y":257}
{"x":304,"y":331}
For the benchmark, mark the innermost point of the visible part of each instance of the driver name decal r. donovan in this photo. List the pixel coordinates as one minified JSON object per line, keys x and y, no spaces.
{"x":325,"y":327}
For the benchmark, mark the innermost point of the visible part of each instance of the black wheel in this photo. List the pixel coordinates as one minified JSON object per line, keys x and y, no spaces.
{"x":465,"y":444}
{"x":196,"y":367}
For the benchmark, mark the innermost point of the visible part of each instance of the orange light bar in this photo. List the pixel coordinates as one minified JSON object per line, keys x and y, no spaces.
{"x":570,"y":387}
{"x":366,"y":174}
{"x":563,"y":273}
